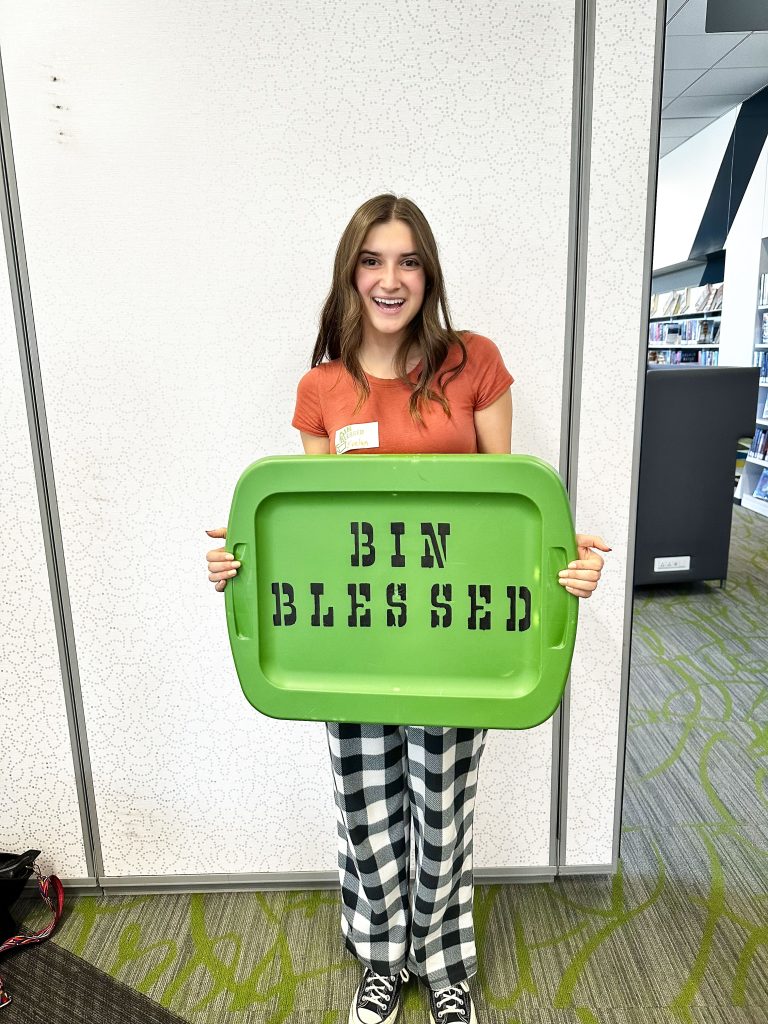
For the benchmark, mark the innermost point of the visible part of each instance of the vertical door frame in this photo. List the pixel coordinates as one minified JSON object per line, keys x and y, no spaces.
{"x":21,"y":299}
{"x":581,"y":150}
{"x":573,"y":363}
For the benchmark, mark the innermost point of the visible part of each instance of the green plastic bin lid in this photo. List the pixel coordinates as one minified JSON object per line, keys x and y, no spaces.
{"x":406,"y":590}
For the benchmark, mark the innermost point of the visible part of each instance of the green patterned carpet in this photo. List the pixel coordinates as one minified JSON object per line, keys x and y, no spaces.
{"x":680,"y":934}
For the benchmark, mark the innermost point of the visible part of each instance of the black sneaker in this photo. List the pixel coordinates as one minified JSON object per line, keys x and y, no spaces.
{"x":452,"y":1005}
{"x":377,"y":998}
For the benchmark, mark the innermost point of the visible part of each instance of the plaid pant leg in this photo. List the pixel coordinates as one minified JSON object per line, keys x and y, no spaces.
{"x":373,"y":827}
{"x":442,"y":773}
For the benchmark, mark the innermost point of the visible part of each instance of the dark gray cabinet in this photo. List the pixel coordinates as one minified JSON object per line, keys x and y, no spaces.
{"x":692,"y":419}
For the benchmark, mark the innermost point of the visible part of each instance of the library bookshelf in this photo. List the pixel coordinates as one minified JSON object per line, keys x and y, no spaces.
{"x":684,"y":326}
{"x":753,"y":483}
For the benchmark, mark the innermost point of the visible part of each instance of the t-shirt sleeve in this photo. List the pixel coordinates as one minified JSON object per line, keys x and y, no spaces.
{"x":491,"y":377}
{"x":308,"y":415}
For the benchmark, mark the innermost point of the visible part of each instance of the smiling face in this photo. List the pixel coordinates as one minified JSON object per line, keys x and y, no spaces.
{"x":389,"y":268}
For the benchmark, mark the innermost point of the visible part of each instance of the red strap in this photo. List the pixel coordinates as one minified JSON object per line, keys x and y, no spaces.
{"x":52,"y":892}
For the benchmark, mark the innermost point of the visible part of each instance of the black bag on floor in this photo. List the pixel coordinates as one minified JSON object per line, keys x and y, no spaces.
{"x":15,"y":869}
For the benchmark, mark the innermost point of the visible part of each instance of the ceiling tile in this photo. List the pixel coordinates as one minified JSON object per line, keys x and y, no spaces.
{"x":723,"y":81}
{"x":675,"y":82}
{"x":689,"y":20}
{"x":751,"y":53}
{"x":702,"y":106}
{"x":667,"y":145}
{"x":680,"y":127}
{"x":673,"y":6}
{"x":698,"y":51}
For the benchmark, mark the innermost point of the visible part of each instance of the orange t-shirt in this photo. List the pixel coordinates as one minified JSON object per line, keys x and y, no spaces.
{"x":327,"y":396}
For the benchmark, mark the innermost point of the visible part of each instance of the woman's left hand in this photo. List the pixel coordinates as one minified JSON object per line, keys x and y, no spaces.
{"x":582,"y":576}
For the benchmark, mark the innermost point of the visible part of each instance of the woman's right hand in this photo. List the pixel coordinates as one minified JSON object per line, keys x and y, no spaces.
{"x":221,"y":564}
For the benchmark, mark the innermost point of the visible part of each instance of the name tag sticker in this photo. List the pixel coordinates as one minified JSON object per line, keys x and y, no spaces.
{"x":356,"y":436}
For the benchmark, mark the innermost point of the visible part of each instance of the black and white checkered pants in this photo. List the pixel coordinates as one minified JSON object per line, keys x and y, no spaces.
{"x":384,"y":775}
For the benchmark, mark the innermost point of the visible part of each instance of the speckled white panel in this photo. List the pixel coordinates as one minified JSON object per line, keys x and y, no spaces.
{"x":38,"y":795}
{"x":621,"y":135}
{"x":185,"y":171}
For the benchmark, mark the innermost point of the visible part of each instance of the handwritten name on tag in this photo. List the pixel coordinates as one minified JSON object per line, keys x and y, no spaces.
{"x":356,"y":436}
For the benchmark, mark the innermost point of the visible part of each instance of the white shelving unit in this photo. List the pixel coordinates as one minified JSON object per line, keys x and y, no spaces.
{"x":684,"y":316}
{"x":754,"y":466}
{"x":684,"y":301}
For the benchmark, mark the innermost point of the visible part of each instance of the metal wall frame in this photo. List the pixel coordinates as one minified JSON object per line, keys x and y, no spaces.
{"x":650,"y":224}
{"x":581,"y":152}
{"x":46,"y":490}
{"x":584,"y":56}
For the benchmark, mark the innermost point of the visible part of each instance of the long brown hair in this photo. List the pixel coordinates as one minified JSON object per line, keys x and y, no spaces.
{"x":341,"y":320}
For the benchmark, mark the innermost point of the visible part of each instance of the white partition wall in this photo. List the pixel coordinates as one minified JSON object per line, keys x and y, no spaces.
{"x":38,"y":791}
{"x":613,"y":365}
{"x":184,"y":173}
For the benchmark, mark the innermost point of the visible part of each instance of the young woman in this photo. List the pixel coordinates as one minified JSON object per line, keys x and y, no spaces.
{"x":382,"y":360}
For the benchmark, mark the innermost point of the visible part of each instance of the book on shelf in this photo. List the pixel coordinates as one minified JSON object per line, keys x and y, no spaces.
{"x":702,"y":298}
{"x":761,"y":489}
{"x":709,"y":298}
{"x":670,"y":307}
{"x":706,"y":298}
{"x":761,"y":360}
{"x":672,"y":331}
{"x":674,"y":356}
{"x":764,"y":413}
{"x":759,"y":448}
{"x":764,"y":328}
{"x":707,"y":331}
{"x":684,"y":332}
{"x":763,"y":296}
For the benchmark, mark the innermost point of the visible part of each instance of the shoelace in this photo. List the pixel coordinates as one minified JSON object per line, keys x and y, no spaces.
{"x":450,"y":999}
{"x":378,"y":988}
